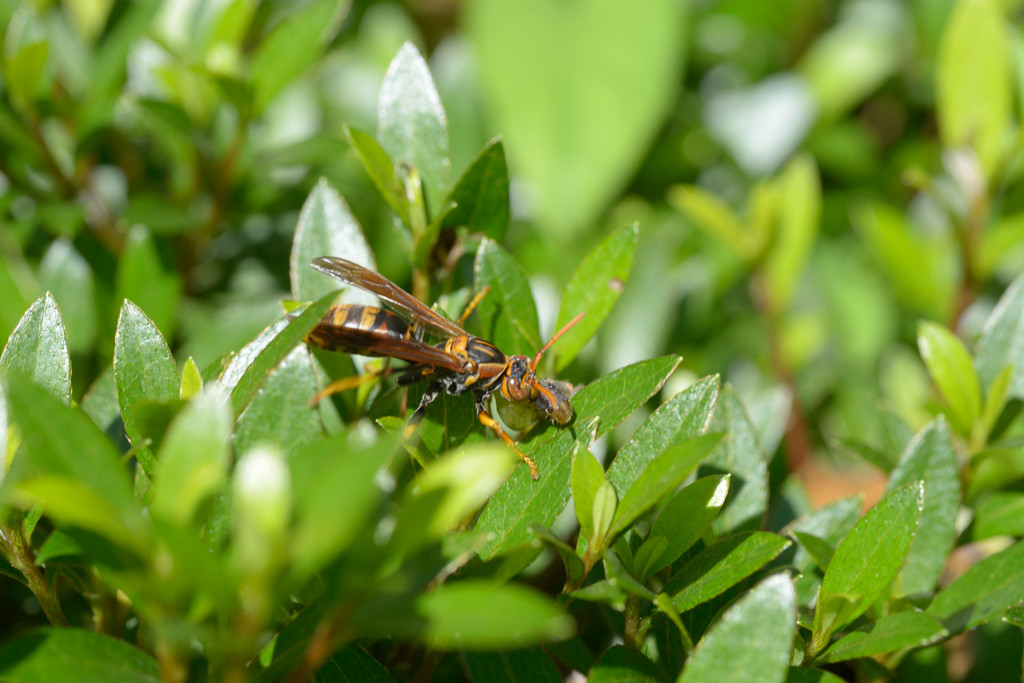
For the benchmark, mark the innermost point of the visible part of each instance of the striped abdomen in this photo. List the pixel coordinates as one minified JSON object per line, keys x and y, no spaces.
{"x":354,"y":328}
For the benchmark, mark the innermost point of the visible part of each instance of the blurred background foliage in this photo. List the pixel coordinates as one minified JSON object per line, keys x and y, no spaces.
{"x":811,"y":178}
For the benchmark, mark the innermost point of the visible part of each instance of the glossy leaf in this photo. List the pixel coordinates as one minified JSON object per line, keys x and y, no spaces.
{"x":620,"y":664}
{"x":982,"y":592}
{"x":593,"y":288}
{"x":686,"y":517}
{"x":586,"y":478}
{"x":1001,"y":343}
{"x":143,"y":371}
{"x":889,"y":634}
{"x":292,"y":46}
{"x":684,"y":416}
{"x":740,"y":454}
{"x":520,"y":502}
{"x":930,"y":458}
{"x":507,"y":314}
{"x":752,"y":641}
{"x":973,"y":81}
{"x":950,"y":366}
{"x":193,"y":457}
{"x":251,"y":367}
{"x":511,"y":666}
{"x":717,"y":568}
{"x":381,"y":169}
{"x":38,"y":348}
{"x":351,"y":664}
{"x":327,"y":228}
{"x":279,"y":413}
{"x":480,"y":615}
{"x":830,"y":524}
{"x":817,"y":548}
{"x":481,"y":194}
{"x":575,"y":114}
{"x":866,"y":562}
{"x":62,"y":655}
{"x":412,"y":126}
{"x":661,"y":477}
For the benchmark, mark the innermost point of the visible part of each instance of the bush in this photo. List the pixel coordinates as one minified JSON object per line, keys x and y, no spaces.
{"x":182,"y":507}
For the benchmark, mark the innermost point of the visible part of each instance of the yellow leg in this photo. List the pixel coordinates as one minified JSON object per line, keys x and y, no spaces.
{"x":490,"y":422}
{"x":346,"y":383}
{"x":461,"y":322}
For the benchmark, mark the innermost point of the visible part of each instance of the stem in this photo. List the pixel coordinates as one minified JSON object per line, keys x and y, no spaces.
{"x":631,"y":636}
{"x":173,"y":668}
{"x":18,"y":552}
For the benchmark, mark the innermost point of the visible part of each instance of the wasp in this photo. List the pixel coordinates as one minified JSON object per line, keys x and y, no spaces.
{"x":460,"y":363}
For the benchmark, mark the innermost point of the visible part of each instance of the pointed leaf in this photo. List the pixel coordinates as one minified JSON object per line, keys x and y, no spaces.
{"x":481,"y":194}
{"x":684,"y":416}
{"x":889,"y":634}
{"x":799,"y":213}
{"x":508,"y":316}
{"x":929,"y":458}
{"x":381,"y":169}
{"x":719,"y":567}
{"x":686,"y":517}
{"x":412,"y":126}
{"x":752,"y":641}
{"x":982,"y":592}
{"x":587,"y":477}
{"x":144,"y":278}
{"x":950,"y":366}
{"x":327,"y":228}
{"x":829,"y":524}
{"x":1001,"y":343}
{"x":38,"y":348}
{"x":69,"y":277}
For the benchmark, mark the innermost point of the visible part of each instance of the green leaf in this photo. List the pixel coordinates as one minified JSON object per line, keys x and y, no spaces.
{"x":577,"y":117}
{"x":351,"y":664}
{"x":819,"y":549}
{"x":752,"y":641}
{"x":719,"y":567}
{"x":830,"y":524}
{"x":480,"y":615}
{"x":144,"y":278}
{"x":193,"y":458}
{"x":605,"y":505}
{"x":481,"y":194}
{"x":684,"y":416}
{"x":381,"y":169}
{"x":950,"y":366}
{"x":799,"y":215}
{"x":24,"y":62}
{"x":995,"y":402}
{"x":982,"y":592}
{"x":293,"y":45}
{"x":279,"y":413}
{"x":253,"y":364}
{"x":973,"y":82}
{"x":686,"y":517}
{"x":72,"y":654}
{"x":805,"y":674}
{"x":930,"y":458}
{"x":336,"y":488}
{"x":508,"y":316}
{"x":593,"y":288}
{"x":999,"y":513}
{"x":64,"y":449}
{"x":191,"y":380}
{"x":143,"y":371}
{"x":889,"y":634}
{"x":520,"y":502}
{"x":661,"y":477}
{"x":866,"y":562}
{"x":572,"y":562}
{"x":512,"y":666}
{"x":587,"y":478}
{"x":620,"y":664}
{"x":1001,"y":343}
{"x":740,"y":454}
{"x":412,"y":126}
{"x":327,"y":228}
{"x":68,"y":276}
{"x":712,"y":216}
{"x":38,"y":348}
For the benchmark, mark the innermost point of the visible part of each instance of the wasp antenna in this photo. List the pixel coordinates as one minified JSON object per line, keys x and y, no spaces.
{"x":554,"y":338}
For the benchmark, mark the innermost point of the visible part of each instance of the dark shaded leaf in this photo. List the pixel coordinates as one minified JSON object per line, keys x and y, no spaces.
{"x":888,"y":634}
{"x":620,"y":664}
{"x":982,"y":592}
{"x":481,"y":194}
{"x":508,"y":316}
{"x":60,"y":655}
{"x":511,"y":666}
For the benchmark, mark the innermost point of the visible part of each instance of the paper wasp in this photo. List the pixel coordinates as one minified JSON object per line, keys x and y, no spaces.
{"x":460,"y":363}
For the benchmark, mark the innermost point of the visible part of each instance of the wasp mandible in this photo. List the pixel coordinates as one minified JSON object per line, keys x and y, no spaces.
{"x":460,"y":363}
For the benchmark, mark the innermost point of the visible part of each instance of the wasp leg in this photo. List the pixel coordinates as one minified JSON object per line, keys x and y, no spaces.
{"x":492,"y":424}
{"x":429,"y":396}
{"x":461,"y":322}
{"x":346,"y":383}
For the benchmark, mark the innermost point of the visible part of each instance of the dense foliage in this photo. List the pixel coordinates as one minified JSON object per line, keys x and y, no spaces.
{"x":796,"y":231}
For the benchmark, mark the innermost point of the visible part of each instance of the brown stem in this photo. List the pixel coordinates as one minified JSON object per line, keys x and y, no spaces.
{"x":631,"y":634}
{"x":18,"y":552}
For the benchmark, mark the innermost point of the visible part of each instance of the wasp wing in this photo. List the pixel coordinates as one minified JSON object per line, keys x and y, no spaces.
{"x":396,"y":297}
{"x":368,"y":342}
